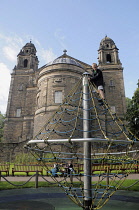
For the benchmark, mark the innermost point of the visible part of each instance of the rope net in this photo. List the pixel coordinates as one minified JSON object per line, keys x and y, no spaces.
{"x":111,"y":160}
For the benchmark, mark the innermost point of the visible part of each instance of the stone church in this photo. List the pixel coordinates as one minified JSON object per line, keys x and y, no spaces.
{"x":35,"y":93}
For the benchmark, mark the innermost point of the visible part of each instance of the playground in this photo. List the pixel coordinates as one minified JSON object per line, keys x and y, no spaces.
{"x":55,"y":199}
{"x":100,"y":151}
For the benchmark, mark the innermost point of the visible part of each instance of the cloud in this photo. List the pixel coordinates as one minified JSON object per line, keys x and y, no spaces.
{"x":4,"y":86}
{"x":12,"y":40}
{"x":61,"y":38}
{"x":11,"y":45}
{"x":46,"y":55}
{"x":10,"y":53}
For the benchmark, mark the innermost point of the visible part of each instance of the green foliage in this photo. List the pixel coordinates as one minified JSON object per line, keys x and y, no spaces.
{"x":132,"y":114}
{"x":2,"y":117}
{"x":128,"y":102}
{"x":24,"y":158}
{"x":114,"y":159}
{"x":28,"y":158}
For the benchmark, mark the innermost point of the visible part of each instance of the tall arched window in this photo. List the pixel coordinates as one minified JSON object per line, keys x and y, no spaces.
{"x":25,"y":63}
{"x":108,"y":58}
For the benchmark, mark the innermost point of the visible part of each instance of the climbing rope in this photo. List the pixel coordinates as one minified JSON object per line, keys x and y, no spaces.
{"x":111,"y":148}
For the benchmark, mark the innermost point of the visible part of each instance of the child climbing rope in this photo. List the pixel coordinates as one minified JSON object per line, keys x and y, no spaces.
{"x":97,"y":80}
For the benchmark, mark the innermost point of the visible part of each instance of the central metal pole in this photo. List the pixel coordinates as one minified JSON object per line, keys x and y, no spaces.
{"x":87,"y":145}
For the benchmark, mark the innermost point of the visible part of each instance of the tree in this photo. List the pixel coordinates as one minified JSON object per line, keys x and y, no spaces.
{"x":132,"y":114}
{"x":128,"y":102}
{"x":2,"y":117}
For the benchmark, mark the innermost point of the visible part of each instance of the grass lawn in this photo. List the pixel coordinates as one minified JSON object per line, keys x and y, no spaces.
{"x":127,"y":185}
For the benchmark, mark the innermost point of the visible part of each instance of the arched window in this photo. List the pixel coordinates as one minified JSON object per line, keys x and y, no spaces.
{"x":108,"y":58}
{"x":25,"y":63}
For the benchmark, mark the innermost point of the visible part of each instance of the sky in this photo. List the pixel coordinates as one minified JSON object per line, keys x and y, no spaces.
{"x":75,"y":25}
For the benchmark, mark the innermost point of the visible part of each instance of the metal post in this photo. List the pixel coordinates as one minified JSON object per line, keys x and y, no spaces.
{"x":87,"y":145}
{"x":36,"y":179}
{"x":107,"y":176}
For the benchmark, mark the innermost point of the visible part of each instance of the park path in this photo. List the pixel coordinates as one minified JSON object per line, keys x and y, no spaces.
{"x":50,"y":179}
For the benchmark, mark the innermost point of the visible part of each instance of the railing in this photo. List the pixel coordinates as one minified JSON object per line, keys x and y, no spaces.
{"x":8,"y":169}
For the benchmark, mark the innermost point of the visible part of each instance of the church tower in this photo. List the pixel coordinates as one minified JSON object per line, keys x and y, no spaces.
{"x":27,"y":58}
{"x":109,"y":63}
{"x":22,"y":96}
{"x":35,"y":94}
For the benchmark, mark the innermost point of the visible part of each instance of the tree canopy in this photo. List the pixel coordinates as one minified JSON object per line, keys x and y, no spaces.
{"x":2,"y":117}
{"x":132,"y":114}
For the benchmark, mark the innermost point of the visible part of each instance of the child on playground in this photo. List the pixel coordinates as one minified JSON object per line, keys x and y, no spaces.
{"x":70,"y":168}
{"x":96,"y":79}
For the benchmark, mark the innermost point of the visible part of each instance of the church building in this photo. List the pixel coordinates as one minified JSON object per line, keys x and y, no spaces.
{"x":35,"y":93}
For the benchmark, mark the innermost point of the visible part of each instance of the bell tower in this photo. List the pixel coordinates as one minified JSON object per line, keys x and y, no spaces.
{"x":19,"y":120}
{"x":27,"y":58}
{"x":109,"y":63}
{"x":108,"y":53}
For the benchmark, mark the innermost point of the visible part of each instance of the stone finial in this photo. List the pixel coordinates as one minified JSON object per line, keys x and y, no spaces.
{"x":65,"y":51}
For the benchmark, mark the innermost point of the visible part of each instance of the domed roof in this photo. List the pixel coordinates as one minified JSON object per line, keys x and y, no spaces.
{"x":107,"y":42}
{"x":30,"y":44}
{"x":106,"y":39}
{"x":65,"y":60}
{"x":28,"y":49}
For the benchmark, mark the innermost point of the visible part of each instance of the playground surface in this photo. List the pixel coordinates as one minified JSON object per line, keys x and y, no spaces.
{"x":55,"y":199}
